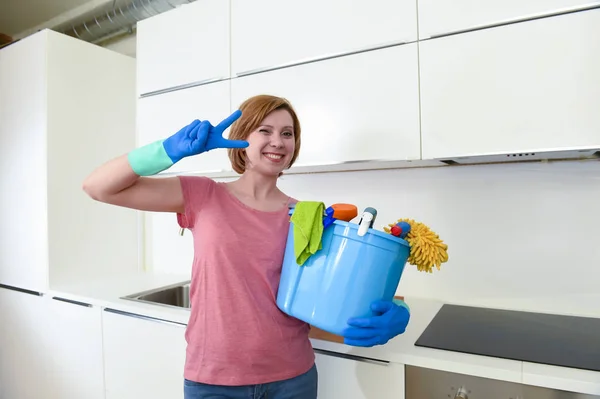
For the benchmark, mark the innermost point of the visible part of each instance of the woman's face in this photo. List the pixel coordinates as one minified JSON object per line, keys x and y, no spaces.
{"x":271,"y":146}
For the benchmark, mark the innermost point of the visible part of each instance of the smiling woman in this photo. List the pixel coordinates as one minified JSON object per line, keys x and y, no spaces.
{"x":278,"y":138}
{"x":239,"y":343}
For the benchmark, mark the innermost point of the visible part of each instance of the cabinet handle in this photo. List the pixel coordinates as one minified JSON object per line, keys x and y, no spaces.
{"x":319,"y":58}
{"x":78,"y":303}
{"x":352,"y":357}
{"x":23,"y":290}
{"x":183,"y":86}
{"x":143,"y":317}
{"x":517,"y":20}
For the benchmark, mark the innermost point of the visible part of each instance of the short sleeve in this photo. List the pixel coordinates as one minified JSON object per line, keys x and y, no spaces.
{"x":196,"y":190}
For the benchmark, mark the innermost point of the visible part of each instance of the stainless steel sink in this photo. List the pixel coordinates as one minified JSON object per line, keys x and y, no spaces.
{"x":175,"y":295}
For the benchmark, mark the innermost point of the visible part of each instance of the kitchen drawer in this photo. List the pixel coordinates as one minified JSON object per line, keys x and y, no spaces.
{"x":361,"y":378}
{"x":144,"y":357}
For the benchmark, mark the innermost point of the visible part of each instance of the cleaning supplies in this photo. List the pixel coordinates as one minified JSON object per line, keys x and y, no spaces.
{"x":345,"y":212}
{"x":426,"y":248}
{"x":308,"y":229}
{"x":401,"y":230}
{"x":329,"y":218}
{"x":344,"y":278}
{"x":367,"y":220}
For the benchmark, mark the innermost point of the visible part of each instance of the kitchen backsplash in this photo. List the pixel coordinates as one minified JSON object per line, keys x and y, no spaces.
{"x":520,"y":235}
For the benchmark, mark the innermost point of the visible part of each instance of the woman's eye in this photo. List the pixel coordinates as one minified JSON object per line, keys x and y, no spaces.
{"x":264,"y":131}
{"x":289,"y":134}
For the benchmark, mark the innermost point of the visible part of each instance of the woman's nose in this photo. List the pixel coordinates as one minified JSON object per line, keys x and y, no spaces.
{"x":276,"y":141}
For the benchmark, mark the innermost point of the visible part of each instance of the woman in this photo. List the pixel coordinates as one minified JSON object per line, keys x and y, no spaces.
{"x":239,"y":344}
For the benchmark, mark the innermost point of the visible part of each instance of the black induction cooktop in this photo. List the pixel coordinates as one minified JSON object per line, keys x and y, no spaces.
{"x":558,"y":340}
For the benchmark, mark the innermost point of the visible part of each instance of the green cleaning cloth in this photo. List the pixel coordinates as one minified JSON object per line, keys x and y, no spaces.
{"x":308,"y":229}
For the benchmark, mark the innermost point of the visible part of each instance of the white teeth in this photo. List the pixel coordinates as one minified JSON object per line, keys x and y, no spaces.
{"x":273,"y":156}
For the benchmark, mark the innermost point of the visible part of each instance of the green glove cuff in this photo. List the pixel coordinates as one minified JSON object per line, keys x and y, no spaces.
{"x":149,"y":159}
{"x":400,"y":302}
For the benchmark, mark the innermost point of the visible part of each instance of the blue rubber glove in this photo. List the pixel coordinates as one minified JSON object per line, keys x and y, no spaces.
{"x":389,"y":321}
{"x":193,"y":139}
{"x":201,"y":136}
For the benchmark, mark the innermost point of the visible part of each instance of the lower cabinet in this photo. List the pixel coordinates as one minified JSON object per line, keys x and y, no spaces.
{"x":49,"y":348}
{"x":77,"y":369}
{"x":352,"y":377}
{"x":143,"y":356}
{"x":54,"y":348}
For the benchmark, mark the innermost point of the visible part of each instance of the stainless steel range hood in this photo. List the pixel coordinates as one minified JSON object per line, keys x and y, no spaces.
{"x":544,"y":155}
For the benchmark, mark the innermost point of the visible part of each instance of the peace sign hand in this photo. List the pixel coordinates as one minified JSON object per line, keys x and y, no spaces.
{"x":201,"y":136}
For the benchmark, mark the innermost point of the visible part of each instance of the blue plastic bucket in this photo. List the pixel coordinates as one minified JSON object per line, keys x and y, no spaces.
{"x":342,"y":279}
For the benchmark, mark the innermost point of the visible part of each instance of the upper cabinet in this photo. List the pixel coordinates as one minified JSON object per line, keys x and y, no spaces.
{"x":524,"y":87}
{"x":163,"y":115}
{"x":439,"y":17}
{"x":358,"y":107}
{"x":270,"y":33}
{"x":66,"y":107}
{"x":183,"y":46}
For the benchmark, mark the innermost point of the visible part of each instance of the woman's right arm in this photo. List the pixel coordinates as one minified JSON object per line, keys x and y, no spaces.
{"x":123,"y":182}
{"x":116,"y":183}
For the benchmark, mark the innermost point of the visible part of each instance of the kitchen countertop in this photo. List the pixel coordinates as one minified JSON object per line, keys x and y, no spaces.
{"x":107,"y":292}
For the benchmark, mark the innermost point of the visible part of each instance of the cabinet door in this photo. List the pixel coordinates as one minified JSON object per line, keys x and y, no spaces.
{"x":143,"y":357}
{"x":163,"y":115}
{"x":23,"y":216}
{"x":182,"y":46}
{"x":362,"y":378}
{"x":438,"y":17}
{"x":353,"y":108}
{"x":520,"y":88}
{"x":76,"y":330}
{"x":269,"y":33}
{"x":26,"y":347}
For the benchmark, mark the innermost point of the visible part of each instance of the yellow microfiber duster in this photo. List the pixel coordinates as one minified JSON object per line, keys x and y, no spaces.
{"x":426,"y":248}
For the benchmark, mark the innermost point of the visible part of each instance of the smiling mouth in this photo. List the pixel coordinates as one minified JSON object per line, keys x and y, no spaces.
{"x":273,"y":157}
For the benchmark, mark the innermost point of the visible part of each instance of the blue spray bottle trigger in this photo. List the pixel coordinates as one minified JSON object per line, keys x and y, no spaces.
{"x":328,"y":219}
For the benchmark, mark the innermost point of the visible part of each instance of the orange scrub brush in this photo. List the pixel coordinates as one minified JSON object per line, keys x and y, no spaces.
{"x":426,"y":248}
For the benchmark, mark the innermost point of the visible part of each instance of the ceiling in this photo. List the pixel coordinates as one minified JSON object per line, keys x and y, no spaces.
{"x":19,"y":18}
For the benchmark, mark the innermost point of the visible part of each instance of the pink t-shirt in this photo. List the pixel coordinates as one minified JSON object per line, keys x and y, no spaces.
{"x":236,"y":334}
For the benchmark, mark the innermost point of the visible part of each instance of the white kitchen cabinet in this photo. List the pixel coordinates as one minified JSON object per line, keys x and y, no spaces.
{"x":439,"y":17}
{"x":520,"y":88}
{"x":49,"y":348}
{"x":358,"y":378}
{"x":164,"y":115}
{"x":271,"y":33}
{"x":183,"y":46}
{"x":66,"y":107}
{"x":77,"y":369}
{"x":353,"y":108}
{"x":26,"y":347}
{"x":143,"y":357}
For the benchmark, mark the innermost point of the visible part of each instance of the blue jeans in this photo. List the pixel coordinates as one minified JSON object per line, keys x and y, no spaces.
{"x":303,"y":386}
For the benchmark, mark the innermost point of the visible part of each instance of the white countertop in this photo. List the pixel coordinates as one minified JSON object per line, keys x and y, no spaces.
{"x":107,"y":292}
